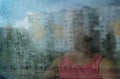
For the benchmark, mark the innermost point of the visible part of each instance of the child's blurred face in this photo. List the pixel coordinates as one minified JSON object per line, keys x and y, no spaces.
{"x":79,"y":42}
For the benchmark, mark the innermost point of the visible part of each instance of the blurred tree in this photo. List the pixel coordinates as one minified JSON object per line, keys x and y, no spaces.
{"x":8,"y":45}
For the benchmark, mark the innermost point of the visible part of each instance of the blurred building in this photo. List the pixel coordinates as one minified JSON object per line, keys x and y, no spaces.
{"x":37,"y":30}
{"x":116,"y":28}
{"x":60,"y":31}
{"x":107,"y":17}
{"x":49,"y":29}
{"x":90,"y":22}
{"x":87,"y":19}
{"x":68,"y":33}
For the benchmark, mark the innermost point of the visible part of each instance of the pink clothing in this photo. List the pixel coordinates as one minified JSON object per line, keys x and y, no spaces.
{"x":70,"y":70}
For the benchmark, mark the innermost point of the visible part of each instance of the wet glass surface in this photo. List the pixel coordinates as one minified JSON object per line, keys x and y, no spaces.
{"x":34,"y":32}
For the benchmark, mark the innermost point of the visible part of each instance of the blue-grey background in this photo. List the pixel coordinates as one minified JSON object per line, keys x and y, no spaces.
{"x":34,"y":32}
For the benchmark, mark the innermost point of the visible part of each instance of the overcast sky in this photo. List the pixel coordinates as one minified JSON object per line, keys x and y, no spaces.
{"x":12,"y":10}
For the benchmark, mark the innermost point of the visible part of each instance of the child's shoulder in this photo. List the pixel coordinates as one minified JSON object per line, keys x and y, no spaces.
{"x":57,"y":61}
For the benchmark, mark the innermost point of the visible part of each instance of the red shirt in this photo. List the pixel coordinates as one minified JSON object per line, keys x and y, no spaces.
{"x":70,"y":70}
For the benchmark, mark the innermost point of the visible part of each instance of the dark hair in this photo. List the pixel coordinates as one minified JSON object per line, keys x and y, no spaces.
{"x":88,"y":40}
